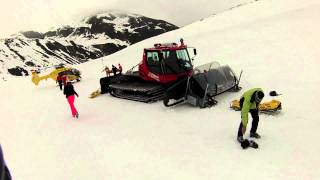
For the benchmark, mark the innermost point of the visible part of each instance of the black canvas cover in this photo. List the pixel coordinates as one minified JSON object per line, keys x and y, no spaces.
{"x":212,"y":79}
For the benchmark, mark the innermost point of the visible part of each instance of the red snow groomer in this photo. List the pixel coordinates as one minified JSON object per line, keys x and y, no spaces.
{"x":166,"y":73}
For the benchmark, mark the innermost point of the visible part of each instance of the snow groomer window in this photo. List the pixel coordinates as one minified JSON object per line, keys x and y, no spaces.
{"x":153,"y":62}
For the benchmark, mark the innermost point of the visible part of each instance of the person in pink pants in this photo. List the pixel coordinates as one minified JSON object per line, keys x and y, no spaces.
{"x":70,"y":92}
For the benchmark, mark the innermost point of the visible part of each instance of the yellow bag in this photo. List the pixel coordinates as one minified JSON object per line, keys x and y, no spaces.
{"x":271,"y":106}
{"x":95,"y":94}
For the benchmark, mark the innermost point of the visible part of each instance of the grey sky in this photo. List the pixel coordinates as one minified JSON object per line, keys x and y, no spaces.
{"x":40,"y":15}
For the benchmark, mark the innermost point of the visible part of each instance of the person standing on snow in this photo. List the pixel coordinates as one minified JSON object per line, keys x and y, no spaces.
{"x":70,"y":92}
{"x":120,"y":68}
{"x":249,"y":102}
{"x":59,"y":81}
{"x":107,"y":70}
{"x":114,"y":70}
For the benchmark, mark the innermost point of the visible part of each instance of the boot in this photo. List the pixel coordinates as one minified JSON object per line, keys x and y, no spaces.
{"x":255,"y":135}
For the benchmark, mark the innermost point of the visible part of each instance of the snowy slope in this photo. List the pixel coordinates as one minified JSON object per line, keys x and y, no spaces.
{"x":274,"y":42}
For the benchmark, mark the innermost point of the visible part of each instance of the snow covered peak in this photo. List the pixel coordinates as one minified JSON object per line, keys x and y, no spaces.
{"x":98,"y":35}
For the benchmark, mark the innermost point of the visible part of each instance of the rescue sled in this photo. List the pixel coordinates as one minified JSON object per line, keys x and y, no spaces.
{"x":270,"y":107}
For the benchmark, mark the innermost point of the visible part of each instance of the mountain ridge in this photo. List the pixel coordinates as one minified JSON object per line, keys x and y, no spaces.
{"x":93,"y":37}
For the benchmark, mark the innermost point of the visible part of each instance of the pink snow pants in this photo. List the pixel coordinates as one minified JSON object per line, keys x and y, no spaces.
{"x":71,"y":103}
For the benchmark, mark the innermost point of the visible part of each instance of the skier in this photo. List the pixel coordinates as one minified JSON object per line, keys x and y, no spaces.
{"x":59,"y":81}
{"x":4,"y":171}
{"x":120,"y":68}
{"x":107,"y":70}
{"x":70,"y":92}
{"x":114,"y":70}
{"x":249,"y":103}
{"x":181,"y":42}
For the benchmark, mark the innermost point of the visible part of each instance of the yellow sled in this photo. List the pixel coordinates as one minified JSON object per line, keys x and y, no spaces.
{"x":267,"y":107}
{"x":95,"y":93}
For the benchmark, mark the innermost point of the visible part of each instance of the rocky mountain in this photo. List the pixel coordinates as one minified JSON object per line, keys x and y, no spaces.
{"x":93,"y":37}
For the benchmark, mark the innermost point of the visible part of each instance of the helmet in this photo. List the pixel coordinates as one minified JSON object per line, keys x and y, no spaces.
{"x":258,"y":96}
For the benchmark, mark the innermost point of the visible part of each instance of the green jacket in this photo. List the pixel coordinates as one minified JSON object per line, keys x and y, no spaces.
{"x":247,"y":104}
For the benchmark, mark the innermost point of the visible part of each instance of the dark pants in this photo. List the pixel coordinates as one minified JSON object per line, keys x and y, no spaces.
{"x":60,"y":84}
{"x":255,"y":122}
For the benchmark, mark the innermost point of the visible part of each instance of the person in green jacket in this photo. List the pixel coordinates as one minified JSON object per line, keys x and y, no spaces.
{"x":249,"y":103}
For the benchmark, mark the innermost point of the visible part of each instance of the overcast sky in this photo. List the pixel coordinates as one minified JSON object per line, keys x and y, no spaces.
{"x":41,"y":15}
